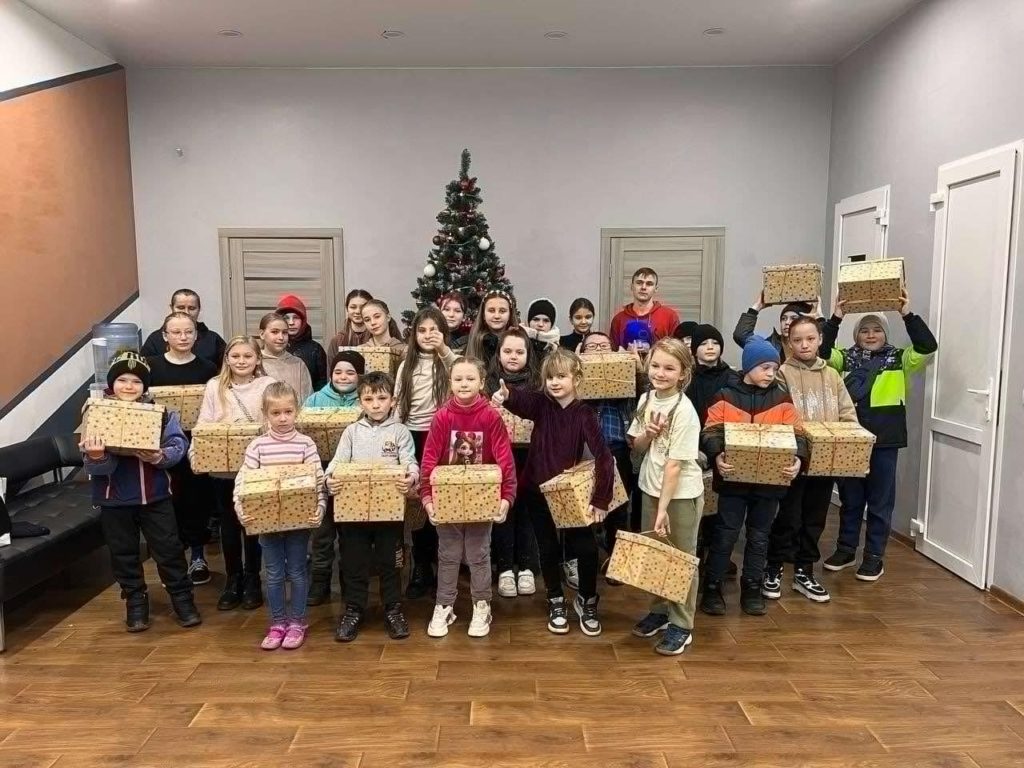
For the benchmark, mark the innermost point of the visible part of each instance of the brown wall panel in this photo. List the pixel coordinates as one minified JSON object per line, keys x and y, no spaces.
{"x":67,"y":226}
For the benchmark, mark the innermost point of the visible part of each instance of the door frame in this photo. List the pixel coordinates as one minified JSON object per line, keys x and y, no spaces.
{"x":225,"y":234}
{"x":878,"y":199}
{"x":606,"y":304}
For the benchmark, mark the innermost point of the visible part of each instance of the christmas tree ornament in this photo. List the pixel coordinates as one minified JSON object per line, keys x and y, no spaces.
{"x":438,"y":240}
{"x":429,"y":270}
{"x":483,"y":244}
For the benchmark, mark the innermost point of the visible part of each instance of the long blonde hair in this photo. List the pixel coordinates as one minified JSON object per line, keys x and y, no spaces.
{"x":224,"y":378}
{"x":676,"y":349}
{"x":562,"y":362}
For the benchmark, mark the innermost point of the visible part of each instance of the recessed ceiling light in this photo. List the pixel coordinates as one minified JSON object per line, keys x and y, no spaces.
{"x":714,"y":31}
{"x":556,"y":34}
{"x":229,"y":33}
{"x":391,"y":34}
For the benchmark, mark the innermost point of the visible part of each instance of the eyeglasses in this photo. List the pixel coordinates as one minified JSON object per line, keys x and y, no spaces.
{"x":597,"y":347}
{"x":181,"y":334}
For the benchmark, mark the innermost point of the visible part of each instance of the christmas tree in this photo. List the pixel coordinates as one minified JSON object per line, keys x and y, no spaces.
{"x":463,"y":257}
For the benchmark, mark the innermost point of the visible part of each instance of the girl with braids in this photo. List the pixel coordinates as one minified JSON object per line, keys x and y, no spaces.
{"x":667,"y":431}
{"x":497,"y":314}
{"x":421,"y":387}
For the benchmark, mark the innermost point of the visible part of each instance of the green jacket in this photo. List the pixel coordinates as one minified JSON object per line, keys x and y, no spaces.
{"x":329,"y":397}
{"x":884,"y":411}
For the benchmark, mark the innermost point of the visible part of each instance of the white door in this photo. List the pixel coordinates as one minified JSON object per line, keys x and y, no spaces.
{"x":974,"y":211}
{"x":860,"y":233}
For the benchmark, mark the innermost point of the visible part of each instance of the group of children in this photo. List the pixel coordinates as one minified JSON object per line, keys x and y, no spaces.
{"x":440,"y":409}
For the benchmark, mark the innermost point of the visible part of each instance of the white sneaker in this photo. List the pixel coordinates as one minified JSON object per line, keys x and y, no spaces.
{"x":526,"y":585}
{"x":480,"y":624}
{"x":507,"y":584}
{"x":443,"y":616}
{"x":571,"y":573}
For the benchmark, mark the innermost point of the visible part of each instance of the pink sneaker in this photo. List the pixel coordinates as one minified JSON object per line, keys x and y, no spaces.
{"x":275,"y":637}
{"x":294,"y":637}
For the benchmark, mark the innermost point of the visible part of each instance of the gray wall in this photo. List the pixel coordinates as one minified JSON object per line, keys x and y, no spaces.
{"x":941,"y":83}
{"x":559,"y":153}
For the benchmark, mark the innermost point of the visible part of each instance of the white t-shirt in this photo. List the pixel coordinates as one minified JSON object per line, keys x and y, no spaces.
{"x":678,"y":442}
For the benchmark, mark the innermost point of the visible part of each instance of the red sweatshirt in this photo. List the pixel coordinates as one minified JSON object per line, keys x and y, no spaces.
{"x":559,"y":435}
{"x":657,"y":324}
{"x":470,"y":434}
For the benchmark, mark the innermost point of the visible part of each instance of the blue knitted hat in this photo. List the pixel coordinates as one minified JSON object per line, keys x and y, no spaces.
{"x":757,"y":351}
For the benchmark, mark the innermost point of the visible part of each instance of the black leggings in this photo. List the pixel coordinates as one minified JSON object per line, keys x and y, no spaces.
{"x":233,"y":539}
{"x":193,"y":497}
{"x":580,"y":540}
{"x":424,"y":540}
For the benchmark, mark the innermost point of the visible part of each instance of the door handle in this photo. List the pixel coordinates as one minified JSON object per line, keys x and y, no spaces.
{"x":984,"y":392}
{"x":988,"y":398}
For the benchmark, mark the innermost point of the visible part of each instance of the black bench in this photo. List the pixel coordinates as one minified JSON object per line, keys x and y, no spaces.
{"x":63,"y":507}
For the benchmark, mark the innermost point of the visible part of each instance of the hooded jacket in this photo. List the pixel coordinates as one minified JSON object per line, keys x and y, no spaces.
{"x":288,"y":368}
{"x":302,"y":345}
{"x":818,"y":391}
{"x":706,"y":382}
{"x":328,"y":397}
{"x":659,"y":322}
{"x":389,"y":442}
{"x":209,"y":345}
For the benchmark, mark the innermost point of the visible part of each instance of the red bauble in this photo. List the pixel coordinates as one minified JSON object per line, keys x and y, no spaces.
{"x":465,"y":184}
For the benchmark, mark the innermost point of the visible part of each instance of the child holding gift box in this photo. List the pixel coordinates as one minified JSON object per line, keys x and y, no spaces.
{"x":497,"y":314}
{"x":513,"y":540}
{"x":284,"y":553}
{"x":467,"y":412}
{"x":133,"y":493}
{"x":180,"y":366}
{"x":666,"y":430}
{"x":378,"y":437}
{"x":278,"y":362}
{"x":779,"y":337}
{"x":819,"y":394}
{"x":563,"y":427}
{"x":236,"y":396}
{"x":421,"y":387}
{"x":759,"y":399}
{"x":878,"y":379}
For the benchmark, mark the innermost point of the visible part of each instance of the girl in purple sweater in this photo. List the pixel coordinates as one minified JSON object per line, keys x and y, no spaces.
{"x":563,"y":426}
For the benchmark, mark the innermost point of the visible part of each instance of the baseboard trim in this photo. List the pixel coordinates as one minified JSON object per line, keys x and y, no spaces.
{"x":1007,"y":599}
{"x":902,"y":538}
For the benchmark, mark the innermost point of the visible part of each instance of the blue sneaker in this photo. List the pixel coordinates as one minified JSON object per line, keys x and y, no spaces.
{"x":674,"y":642}
{"x":650,"y":625}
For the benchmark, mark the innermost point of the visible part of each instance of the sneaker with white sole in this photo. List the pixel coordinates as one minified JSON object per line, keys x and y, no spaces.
{"x":650,"y":625}
{"x":871,"y":568}
{"x":525,"y":583}
{"x":199,"y":571}
{"x":558,"y":616}
{"x":480,"y":624}
{"x":507,"y":584}
{"x":571,"y":573}
{"x":771,"y":583}
{"x":839,"y":560}
{"x":808,"y":586}
{"x":590,"y":624}
{"x":674,"y":642}
{"x":444,"y":616}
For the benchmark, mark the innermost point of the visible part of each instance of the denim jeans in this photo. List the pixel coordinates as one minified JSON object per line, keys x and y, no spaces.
{"x":877,"y":492}
{"x":284,"y":558}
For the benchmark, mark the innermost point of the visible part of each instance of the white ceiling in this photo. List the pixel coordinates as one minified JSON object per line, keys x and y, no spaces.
{"x":473,"y":33}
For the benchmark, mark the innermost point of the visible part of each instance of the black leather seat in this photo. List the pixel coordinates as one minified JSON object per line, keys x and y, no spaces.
{"x":63,"y":507}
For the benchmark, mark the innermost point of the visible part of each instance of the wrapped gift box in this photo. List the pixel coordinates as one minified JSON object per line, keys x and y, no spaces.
{"x":221,"y":447}
{"x":568,"y":495}
{"x":465,"y":494}
{"x":759,"y":452}
{"x":123,"y":425}
{"x":608,"y":375}
{"x":839,"y":449}
{"x":710,"y":497}
{"x":519,"y":430}
{"x":650,"y":563}
{"x":279,"y":498}
{"x":185,"y":400}
{"x":369,"y":493}
{"x":792,"y":282}
{"x":379,"y":359}
{"x":324,"y":426}
{"x":871,"y":286}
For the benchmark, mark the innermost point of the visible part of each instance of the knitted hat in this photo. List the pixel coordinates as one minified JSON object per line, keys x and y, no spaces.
{"x":541,"y":307}
{"x":129,"y":362}
{"x":800,"y":307}
{"x":702,"y":333}
{"x":872,"y":319}
{"x":351,"y":357}
{"x":684,"y":329}
{"x":757,"y":351}
{"x":292,"y":303}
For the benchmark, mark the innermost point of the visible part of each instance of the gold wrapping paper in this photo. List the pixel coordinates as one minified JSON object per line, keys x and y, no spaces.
{"x":369,"y":493}
{"x":465,"y":494}
{"x":759,"y":452}
{"x":125,"y":426}
{"x":838,"y":449}
{"x":710,"y":497}
{"x":791,"y":282}
{"x":520,"y":431}
{"x":568,"y":495}
{"x":279,"y":498}
{"x":185,"y":400}
{"x":324,"y":427}
{"x":379,"y":359}
{"x":650,"y":563}
{"x":607,"y":375}
{"x":871,"y":286}
{"x":220,"y":447}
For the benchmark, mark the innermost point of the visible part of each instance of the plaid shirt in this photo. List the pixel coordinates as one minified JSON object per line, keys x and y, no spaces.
{"x":614,"y":416}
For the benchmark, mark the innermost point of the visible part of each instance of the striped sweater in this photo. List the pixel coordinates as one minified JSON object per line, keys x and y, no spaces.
{"x":273,"y":449}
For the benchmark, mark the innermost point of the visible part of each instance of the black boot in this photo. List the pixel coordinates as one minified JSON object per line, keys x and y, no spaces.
{"x":712,"y":602}
{"x":751,"y":600}
{"x":252,"y":592}
{"x":185,"y":610}
{"x":231,"y":597}
{"x":319,"y":591}
{"x":420,"y":582}
{"x":136,"y":610}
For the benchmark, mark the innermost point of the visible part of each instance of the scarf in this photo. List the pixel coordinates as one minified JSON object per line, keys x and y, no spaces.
{"x":512,"y":380}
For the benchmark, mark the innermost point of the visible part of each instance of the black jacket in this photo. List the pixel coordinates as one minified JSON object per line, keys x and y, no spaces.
{"x":312,"y":354}
{"x":209,"y":345}
{"x":706,"y":383}
{"x":571,"y":341}
{"x":745,"y":329}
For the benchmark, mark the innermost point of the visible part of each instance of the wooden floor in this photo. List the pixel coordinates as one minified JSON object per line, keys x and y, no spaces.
{"x":917,"y":670}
